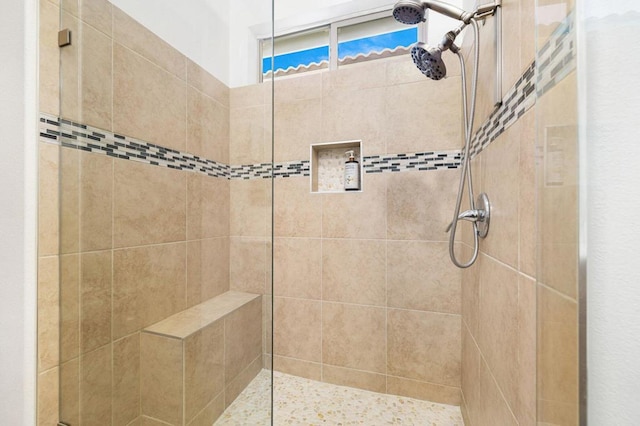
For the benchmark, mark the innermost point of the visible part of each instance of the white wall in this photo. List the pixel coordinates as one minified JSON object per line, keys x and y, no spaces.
{"x":608,"y":69}
{"x":18,"y":165}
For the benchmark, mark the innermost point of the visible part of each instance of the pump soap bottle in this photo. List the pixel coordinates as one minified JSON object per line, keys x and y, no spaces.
{"x":351,"y":173}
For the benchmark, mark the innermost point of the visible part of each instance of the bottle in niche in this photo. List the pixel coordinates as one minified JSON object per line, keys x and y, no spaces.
{"x":351,"y":172}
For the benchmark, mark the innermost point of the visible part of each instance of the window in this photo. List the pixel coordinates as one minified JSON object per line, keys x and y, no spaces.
{"x":339,"y":43}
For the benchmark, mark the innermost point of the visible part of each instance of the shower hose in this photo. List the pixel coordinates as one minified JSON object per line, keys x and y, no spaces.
{"x":469,"y":116}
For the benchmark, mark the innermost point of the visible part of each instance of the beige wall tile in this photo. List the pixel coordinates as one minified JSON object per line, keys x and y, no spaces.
{"x":248,"y":141}
{"x":527,"y":199}
{"x":557,"y":355}
{"x":234,"y":388}
{"x":148,"y":421}
{"x":70,"y":392}
{"x":203,"y":368}
{"x":511,"y":45}
{"x":494,"y":409}
{"x":471,"y":293}
{"x":207,"y":207}
{"x":207,"y":127}
{"x":423,"y":390}
{"x":354,"y":337}
{"x":69,"y":200}
{"x":97,"y":13}
{"x":248,"y":96}
{"x":420,"y":205}
{"x":355,"y":115}
{"x":243,"y":338}
{"x":207,"y":269}
{"x":354,"y":378}
{"x":420,"y":276}
{"x":95,"y":302}
{"x":48,"y":313}
{"x":129,"y":33}
{"x":298,"y":267}
{"x":471,"y":385}
{"x":70,"y":71}
{"x":424,"y":346}
{"x":297,"y":326}
{"x":297,"y":125}
{"x":297,"y":367}
{"x":96,"y":202}
{"x":95,"y":72}
{"x":48,"y":397}
{"x":210,"y":413}
{"x":302,"y":87}
{"x":498,"y":331}
{"x":353,"y":78}
{"x":70,"y":307}
{"x":141,"y":212}
{"x":249,"y":207}
{"x":48,"y":198}
{"x":96,"y":386}
{"x":200,"y":79}
{"x":528,"y":31}
{"x":525,"y":409}
{"x":357,"y":214}
{"x":501,"y":173}
{"x":49,"y":55}
{"x":297,"y":212}
{"x":354,"y":271}
{"x":248,"y":264}
{"x":148,"y":102}
{"x":161,"y":378}
{"x":126,"y":379}
{"x":406,"y":105}
{"x":148,"y":286}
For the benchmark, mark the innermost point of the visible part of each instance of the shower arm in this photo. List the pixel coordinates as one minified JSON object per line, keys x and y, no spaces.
{"x":454,"y":12}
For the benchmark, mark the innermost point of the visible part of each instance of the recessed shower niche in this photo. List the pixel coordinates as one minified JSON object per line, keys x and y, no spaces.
{"x":328,"y":165}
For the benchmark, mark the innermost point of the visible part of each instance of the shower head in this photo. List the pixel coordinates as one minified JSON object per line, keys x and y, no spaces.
{"x":429,"y":61}
{"x":411,"y":12}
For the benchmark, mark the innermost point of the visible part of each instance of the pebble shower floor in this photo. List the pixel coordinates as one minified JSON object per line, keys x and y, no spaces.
{"x":303,"y":402}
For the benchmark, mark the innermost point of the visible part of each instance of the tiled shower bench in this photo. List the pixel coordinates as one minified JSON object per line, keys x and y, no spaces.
{"x":196,"y":362}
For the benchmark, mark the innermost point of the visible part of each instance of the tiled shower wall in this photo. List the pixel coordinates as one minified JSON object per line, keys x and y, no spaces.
{"x":498,"y":291}
{"x":365,"y":295}
{"x":136,"y":243}
{"x":523,"y":288}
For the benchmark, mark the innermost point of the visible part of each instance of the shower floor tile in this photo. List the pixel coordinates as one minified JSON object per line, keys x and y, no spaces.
{"x":299,"y":401}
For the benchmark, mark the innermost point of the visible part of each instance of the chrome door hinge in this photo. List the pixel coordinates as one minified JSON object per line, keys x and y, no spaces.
{"x":64,"y":37}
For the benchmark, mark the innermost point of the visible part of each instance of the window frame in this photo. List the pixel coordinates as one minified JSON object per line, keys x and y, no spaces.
{"x":334,"y":25}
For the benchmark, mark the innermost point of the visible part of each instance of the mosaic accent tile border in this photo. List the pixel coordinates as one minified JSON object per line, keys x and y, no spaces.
{"x":91,"y":139}
{"x":556,"y":59}
{"x":420,"y":161}
{"x":516,"y":102}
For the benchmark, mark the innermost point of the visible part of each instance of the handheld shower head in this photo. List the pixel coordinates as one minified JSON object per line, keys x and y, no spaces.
{"x":409,"y":12}
{"x":429,"y":61}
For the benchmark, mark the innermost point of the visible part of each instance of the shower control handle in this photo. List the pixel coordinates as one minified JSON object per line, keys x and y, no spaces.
{"x":479,"y":216}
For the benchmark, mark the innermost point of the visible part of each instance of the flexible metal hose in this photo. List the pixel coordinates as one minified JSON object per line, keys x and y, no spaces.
{"x":466,"y":167}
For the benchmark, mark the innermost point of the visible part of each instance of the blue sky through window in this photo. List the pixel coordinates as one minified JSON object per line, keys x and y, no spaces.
{"x":377,"y":43}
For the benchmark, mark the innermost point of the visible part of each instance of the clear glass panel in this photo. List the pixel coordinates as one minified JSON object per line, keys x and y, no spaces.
{"x":558,"y":272}
{"x":375,"y":39}
{"x":295,"y":53}
{"x":165,"y":243}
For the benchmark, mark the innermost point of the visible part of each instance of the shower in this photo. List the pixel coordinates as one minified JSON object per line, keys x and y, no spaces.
{"x":429,"y":61}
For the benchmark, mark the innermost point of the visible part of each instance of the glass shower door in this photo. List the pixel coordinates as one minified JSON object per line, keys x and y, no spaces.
{"x":159,"y":323}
